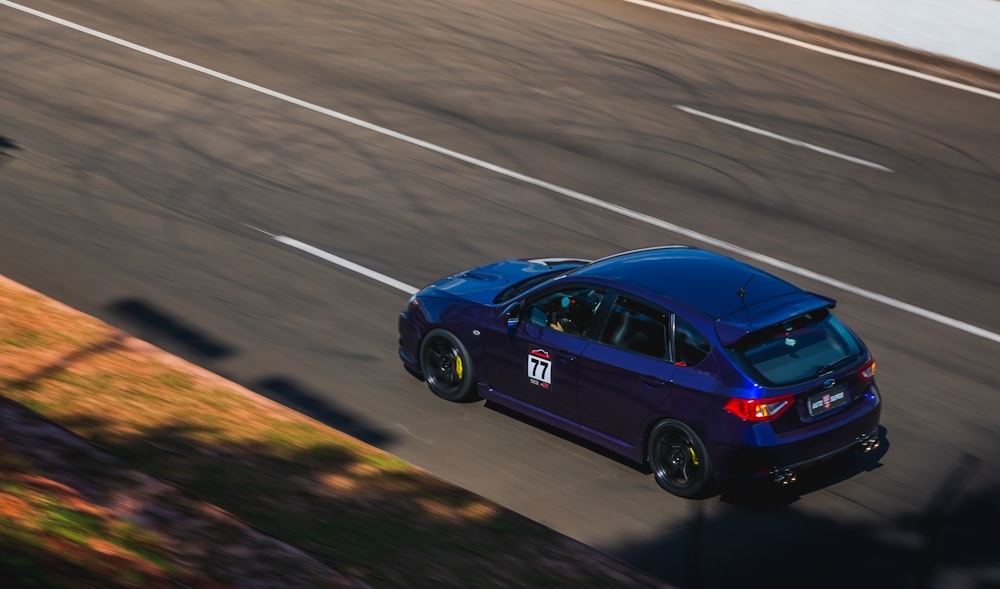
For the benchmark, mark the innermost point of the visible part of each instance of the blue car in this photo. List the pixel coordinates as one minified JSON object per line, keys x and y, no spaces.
{"x":700,"y":366}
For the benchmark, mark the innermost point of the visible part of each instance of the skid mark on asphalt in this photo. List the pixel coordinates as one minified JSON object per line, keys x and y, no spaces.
{"x":554,"y":188}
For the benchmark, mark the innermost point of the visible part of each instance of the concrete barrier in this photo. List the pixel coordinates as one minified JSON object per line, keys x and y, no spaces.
{"x":967,"y":30}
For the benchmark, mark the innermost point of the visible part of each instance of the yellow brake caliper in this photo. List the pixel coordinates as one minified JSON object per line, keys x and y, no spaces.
{"x":458,"y":366}
{"x":694,"y":457}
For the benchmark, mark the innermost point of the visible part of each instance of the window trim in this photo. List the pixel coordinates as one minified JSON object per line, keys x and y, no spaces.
{"x":671,"y":345}
{"x":671,"y":341}
{"x":597,"y":321}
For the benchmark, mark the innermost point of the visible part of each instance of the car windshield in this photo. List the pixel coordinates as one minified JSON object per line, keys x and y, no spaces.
{"x":519,"y":287}
{"x":797,"y":350}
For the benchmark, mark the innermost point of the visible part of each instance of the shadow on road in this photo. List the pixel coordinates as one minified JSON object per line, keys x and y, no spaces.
{"x":290,"y":394}
{"x":567,"y":436}
{"x":6,"y":146}
{"x":750,"y":536}
{"x":753,"y":535}
{"x":759,"y":494}
{"x":149,"y":323}
{"x":763,"y":540}
{"x":164,"y":329}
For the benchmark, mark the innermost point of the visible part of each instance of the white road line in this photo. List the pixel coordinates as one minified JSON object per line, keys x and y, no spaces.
{"x":796,"y":142}
{"x":342,"y":262}
{"x":818,"y":49}
{"x":572,"y":194}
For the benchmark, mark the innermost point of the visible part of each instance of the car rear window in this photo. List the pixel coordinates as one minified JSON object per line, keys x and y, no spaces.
{"x":797,"y":350}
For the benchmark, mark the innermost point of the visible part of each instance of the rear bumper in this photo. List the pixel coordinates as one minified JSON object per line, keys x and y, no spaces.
{"x":789,"y":474}
{"x":749,"y":462}
{"x":859,"y":442}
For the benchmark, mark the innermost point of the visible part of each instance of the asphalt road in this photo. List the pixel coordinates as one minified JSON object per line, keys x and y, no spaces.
{"x":129,"y":185}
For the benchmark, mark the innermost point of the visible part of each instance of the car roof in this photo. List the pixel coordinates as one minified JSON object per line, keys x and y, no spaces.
{"x":701,"y":280}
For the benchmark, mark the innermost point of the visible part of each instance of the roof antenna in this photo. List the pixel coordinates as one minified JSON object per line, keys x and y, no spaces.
{"x":741,"y":292}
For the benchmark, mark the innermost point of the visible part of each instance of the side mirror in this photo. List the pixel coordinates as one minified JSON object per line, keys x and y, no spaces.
{"x":513,"y":314}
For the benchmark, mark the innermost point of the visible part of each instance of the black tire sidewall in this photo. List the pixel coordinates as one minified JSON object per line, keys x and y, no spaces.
{"x":705,"y":481}
{"x":466,"y":391}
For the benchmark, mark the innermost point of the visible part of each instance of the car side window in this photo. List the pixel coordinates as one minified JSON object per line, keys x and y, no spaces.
{"x":637,"y":327}
{"x":690,"y":347}
{"x":569,"y":310}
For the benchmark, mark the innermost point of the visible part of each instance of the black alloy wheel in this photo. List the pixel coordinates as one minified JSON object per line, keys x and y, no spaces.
{"x":679,"y":459}
{"x":446,"y":366}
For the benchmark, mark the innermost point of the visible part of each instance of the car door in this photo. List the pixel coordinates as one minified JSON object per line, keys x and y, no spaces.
{"x":626,"y":374}
{"x":536,"y":361}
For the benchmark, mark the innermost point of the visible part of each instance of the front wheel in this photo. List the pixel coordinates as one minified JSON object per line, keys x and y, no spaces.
{"x":446,"y":366}
{"x":679,"y":459}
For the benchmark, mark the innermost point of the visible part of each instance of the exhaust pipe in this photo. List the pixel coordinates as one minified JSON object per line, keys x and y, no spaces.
{"x":785,"y":476}
{"x":866,"y":442}
{"x":869,"y":441}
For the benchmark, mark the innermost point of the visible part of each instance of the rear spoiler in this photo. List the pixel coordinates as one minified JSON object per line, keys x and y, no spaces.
{"x":737,"y":325}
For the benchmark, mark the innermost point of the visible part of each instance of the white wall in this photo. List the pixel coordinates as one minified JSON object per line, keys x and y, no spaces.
{"x":965,"y":29}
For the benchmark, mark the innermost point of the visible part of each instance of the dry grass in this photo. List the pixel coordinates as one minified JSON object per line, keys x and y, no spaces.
{"x":348,"y":507}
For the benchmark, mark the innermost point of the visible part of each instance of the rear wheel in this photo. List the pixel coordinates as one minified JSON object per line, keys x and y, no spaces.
{"x":679,"y":459}
{"x":446,"y":366}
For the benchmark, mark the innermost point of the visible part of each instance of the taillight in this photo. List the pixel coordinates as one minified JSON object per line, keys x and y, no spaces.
{"x":759,"y":409}
{"x":867,"y":371}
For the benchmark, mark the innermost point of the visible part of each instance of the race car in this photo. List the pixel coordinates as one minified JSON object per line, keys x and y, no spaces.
{"x":702,"y":367}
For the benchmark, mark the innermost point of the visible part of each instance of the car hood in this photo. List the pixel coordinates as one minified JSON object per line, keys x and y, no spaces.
{"x":484,"y":283}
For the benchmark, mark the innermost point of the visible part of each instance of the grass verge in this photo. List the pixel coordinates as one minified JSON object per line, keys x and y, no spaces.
{"x":186,"y":479}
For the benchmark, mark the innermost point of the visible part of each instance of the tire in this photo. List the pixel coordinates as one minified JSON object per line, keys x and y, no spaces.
{"x":679,"y":460}
{"x":447,"y":367}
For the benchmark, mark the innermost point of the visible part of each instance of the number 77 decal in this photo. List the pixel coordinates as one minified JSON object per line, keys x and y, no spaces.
{"x":539,"y":368}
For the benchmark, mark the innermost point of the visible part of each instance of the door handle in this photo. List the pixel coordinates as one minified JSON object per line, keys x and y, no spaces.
{"x":652,"y":381}
{"x":565,"y":356}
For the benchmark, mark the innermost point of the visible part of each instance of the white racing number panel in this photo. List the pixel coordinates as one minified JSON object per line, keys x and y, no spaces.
{"x":540,"y":368}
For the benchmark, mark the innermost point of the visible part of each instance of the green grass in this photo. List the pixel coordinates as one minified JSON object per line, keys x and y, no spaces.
{"x":23,"y":339}
{"x":134,"y":539}
{"x":172,"y":380}
{"x":350,"y":506}
{"x":71,"y":525}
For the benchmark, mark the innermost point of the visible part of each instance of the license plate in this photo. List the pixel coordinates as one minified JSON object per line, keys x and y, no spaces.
{"x":827,"y":400}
